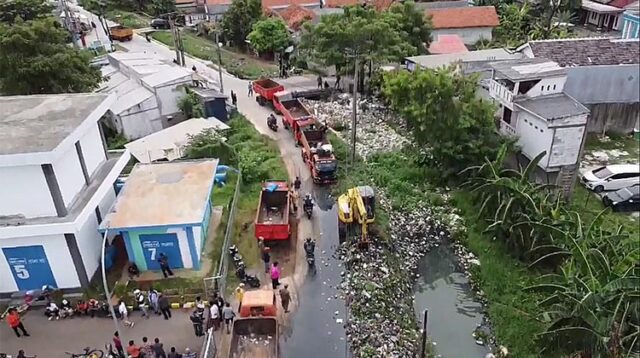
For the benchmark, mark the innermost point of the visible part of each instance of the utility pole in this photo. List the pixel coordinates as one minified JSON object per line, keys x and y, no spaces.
{"x":218,"y":47}
{"x":354,"y":113}
{"x":176,"y":43}
{"x":70,"y":25}
{"x":182,"y":61}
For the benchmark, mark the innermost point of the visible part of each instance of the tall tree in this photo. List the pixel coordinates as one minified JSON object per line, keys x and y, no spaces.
{"x":411,"y":23}
{"x":24,"y":9}
{"x":269,"y":36}
{"x":35,"y":59}
{"x":444,"y":114}
{"x":238,"y":21}
{"x":163,"y":6}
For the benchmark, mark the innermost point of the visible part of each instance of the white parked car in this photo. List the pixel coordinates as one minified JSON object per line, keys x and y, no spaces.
{"x":611,"y":177}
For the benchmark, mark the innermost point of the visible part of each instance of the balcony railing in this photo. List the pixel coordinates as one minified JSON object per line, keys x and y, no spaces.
{"x":501,"y":93}
{"x":505,"y":128}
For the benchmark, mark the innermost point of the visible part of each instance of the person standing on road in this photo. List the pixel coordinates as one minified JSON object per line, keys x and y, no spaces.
{"x":158,"y":348}
{"x":285,"y":298}
{"x":196,"y":320}
{"x":153,"y":300}
{"x":266,"y":258}
{"x":319,"y":81}
{"x":337,"y":84}
{"x":142,"y":302}
{"x":124,"y":314}
{"x":214,"y":316}
{"x":117,"y":342}
{"x":275,"y":275}
{"x":133,"y":351}
{"x":228,"y":315}
{"x":164,"y":265}
{"x":173,"y":353}
{"x":250,"y":89}
{"x":239,"y":293}
{"x":163,"y":304}
{"x":13,"y":319}
{"x":146,"y":349}
{"x":297,"y":183}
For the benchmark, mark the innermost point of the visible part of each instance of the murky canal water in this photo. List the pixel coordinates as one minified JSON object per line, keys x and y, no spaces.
{"x":314,"y":330}
{"x":453,"y":313}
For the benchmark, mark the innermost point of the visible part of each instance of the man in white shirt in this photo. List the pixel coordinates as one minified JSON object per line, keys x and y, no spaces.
{"x":214,"y":316}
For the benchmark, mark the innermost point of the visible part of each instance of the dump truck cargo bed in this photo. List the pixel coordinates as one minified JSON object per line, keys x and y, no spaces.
{"x":255,"y":337}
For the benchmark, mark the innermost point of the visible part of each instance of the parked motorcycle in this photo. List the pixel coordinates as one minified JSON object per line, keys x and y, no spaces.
{"x":247,"y":279}
{"x":235,"y":256}
{"x":272,"y":123}
{"x":309,"y":249}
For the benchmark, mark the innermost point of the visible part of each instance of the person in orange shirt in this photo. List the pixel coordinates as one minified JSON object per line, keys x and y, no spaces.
{"x":133,"y":351}
{"x":13,"y":318}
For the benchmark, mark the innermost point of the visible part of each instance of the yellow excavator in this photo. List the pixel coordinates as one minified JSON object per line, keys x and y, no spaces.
{"x":356,"y":209}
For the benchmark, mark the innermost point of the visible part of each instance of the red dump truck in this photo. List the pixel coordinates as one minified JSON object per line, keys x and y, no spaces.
{"x":255,"y":333}
{"x":292,"y":109}
{"x":272,"y":218}
{"x":265,"y":89}
{"x":317,"y":153}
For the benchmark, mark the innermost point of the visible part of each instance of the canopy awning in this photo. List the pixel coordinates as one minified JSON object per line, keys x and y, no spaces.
{"x":600,"y":8}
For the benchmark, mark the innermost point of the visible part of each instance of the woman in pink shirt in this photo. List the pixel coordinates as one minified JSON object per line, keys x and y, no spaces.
{"x":275,"y":275}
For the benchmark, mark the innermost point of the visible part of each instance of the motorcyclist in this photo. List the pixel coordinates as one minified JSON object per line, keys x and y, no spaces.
{"x":297,"y":183}
{"x":309,"y":246}
{"x":308,"y":201}
{"x":271,"y":120}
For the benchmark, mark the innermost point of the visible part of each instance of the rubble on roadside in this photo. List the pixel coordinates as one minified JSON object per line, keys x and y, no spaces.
{"x":373,"y":132}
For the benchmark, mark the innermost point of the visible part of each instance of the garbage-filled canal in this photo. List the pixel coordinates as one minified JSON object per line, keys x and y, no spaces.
{"x":316,"y":328}
{"x":453,"y":312}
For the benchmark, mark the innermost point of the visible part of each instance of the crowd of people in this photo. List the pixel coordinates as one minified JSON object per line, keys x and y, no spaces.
{"x":148,"y":349}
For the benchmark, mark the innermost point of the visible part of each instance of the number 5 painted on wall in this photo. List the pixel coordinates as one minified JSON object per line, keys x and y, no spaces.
{"x":153,"y":253}
{"x":21,"y":272}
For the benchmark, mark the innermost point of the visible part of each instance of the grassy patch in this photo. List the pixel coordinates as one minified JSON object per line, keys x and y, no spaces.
{"x":511,"y":310}
{"x":238,"y":64}
{"x":615,"y":142}
{"x":128,"y":19}
{"x":221,"y":196}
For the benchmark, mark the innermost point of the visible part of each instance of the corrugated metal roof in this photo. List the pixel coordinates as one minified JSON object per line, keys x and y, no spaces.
{"x":131,"y":98}
{"x":554,"y":106}
{"x":528,"y":68}
{"x":171,"y":74}
{"x":588,"y":51}
{"x":435,"y":61}
{"x":169,"y":142}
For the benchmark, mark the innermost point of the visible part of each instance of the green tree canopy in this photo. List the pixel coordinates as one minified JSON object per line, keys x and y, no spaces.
{"x":36,"y":59}
{"x":24,"y":9}
{"x":411,"y":23}
{"x":163,"y":6}
{"x":270,"y":35}
{"x":444,"y":114}
{"x":238,"y":21}
{"x":359,"y":30}
{"x":190,"y":106}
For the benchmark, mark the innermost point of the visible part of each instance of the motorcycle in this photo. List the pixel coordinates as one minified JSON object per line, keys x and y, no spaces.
{"x":272,"y":123}
{"x":309,"y":249}
{"x":308,"y":209}
{"x":235,"y":256}
{"x":247,"y":279}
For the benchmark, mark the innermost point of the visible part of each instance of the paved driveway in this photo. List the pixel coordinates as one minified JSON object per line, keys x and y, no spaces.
{"x":51,"y":339}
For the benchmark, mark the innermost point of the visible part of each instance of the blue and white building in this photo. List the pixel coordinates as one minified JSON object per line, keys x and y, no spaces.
{"x":631,"y":21}
{"x":164,"y":208}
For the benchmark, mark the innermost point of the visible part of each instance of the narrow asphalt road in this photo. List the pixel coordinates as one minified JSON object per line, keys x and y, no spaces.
{"x":318,"y":326}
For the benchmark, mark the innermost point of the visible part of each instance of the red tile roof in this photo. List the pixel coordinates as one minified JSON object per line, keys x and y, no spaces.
{"x":463,"y":17}
{"x":268,"y":4}
{"x":294,"y":16}
{"x":620,"y":3}
{"x":381,"y":5}
{"x":341,"y":3}
{"x":447,"y":44}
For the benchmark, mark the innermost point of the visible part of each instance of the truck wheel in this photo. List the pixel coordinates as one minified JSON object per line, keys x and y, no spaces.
{"x":260,"y":100}
{"x":129,"y":38}
{"x":342,"y":231}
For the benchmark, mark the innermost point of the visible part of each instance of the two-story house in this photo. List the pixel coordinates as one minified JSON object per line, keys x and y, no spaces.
{"x":56,"y":183}
{"x":534,"y":108}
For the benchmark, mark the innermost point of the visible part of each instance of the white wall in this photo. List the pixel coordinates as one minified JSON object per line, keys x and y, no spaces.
{"x":139,"y":121}
{"x":197,"y":237}
{"x":58,"y":256}
{"x":92,"y":149}
{"x":24,"y":191}
{"x":89,"y":243}
{"x":183,"y":243}
{"x":532,"y":141}
{"x":168,"y":97}
{"x":547,"y":86}
{"x":69,"y":175}
{"x":566,"y":146}
{"x":107,"y":202}
{"x":469,"y":35}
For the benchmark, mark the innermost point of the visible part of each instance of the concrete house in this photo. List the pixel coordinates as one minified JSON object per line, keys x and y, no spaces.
{"x":147,"y":90}
{"x":631,"y":21}
{"x":165,"y":208}
{"x":603,"y":15}
{"x":534,"y":108}
{"x":471,"y":23}
{"x":56,"y":183}
{"x":602,"y":73}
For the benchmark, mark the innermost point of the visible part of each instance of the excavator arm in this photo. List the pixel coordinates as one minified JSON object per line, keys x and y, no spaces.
{"x":357,"y":205}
